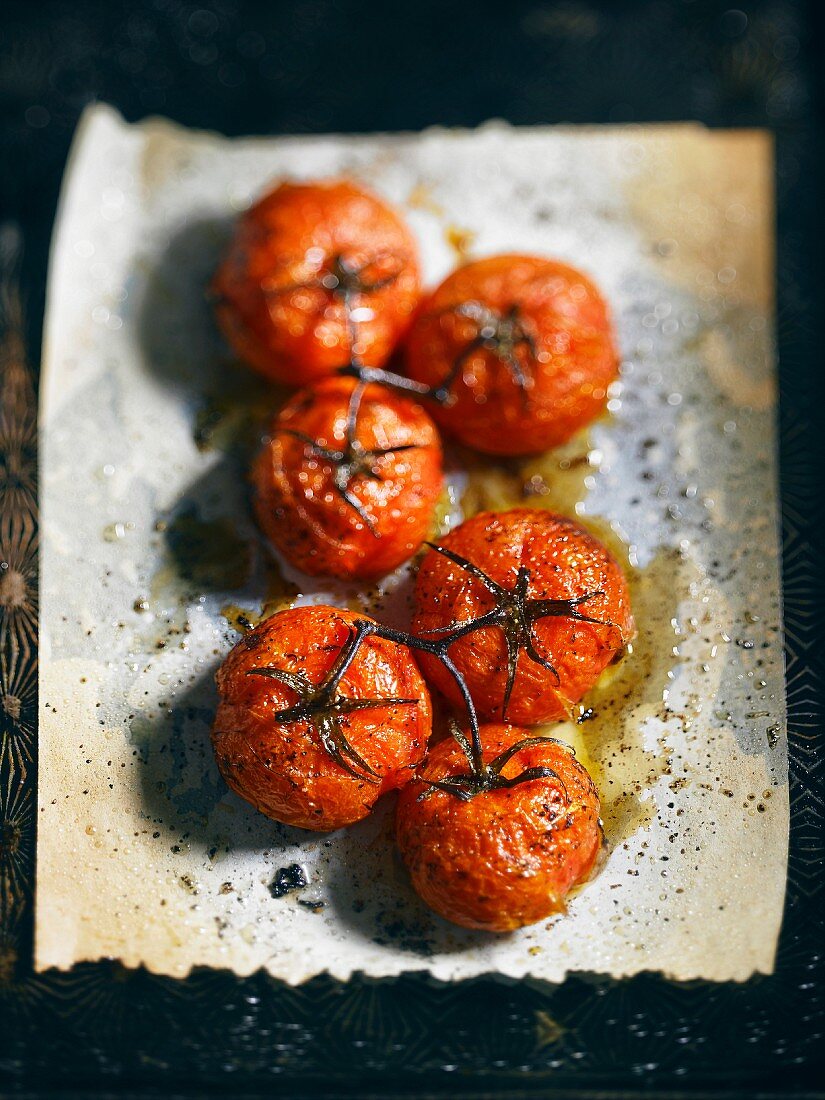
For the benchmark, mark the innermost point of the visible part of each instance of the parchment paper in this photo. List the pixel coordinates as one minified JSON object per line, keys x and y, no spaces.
{"x":143,"y":855}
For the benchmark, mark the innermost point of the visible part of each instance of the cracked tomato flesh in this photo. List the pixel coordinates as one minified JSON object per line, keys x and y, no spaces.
{"x":535,"y":352}
{"x":300,"y":258}
{"x":507,"y":857}
{"x":393,"y":482}
{"x":564,"y":562}
{"x":282,"y":768}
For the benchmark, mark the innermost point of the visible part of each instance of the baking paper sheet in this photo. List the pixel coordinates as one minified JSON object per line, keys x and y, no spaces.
{"x":149,"y":554}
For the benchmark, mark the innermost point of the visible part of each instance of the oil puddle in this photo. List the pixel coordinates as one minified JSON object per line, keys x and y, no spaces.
{"x":614,"y":730}
{"x":615,"y":736}
{"x":558,"y":480}
{"x":461,"y":241}
{"x":199,"y":557}
{"x":235,"y":416}
{"x":279,"y":594}
{"x":208,"y":554}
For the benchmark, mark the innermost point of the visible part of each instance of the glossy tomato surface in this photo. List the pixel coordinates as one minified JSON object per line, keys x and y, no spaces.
{"x":531,"y":345}
{"x":301,"y":259}
{"x":507,"y":857}
{"x":564,"y":562}
{"x":283,"y":768}
{"x":389,"y":468}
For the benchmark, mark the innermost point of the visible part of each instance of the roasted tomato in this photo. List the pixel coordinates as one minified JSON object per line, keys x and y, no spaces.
{"x":317,"y":274}
{"x":522,"y":348}
{"x":500,"y":849}
{"x":537,"y":606}
{"x":317,"y":718}
{"x":348,"y":481}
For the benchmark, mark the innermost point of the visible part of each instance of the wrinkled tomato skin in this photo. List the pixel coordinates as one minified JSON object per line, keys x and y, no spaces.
{"x":296,"y":336}
{"x":303,"y":515}
{"x":506,"y":858}
{"x":565,"y":561}
{"x":282,"y":769}
{"x":575,"y":362}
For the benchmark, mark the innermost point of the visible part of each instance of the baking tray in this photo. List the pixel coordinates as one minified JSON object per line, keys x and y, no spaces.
{"x":102,"y":1029}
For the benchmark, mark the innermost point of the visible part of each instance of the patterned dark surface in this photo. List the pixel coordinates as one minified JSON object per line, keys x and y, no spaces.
{"x":316,"y":65}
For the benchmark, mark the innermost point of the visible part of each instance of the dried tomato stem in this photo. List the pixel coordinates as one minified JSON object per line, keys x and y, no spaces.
{"x":482,"y":777}
{"x":351,"y":461}
{"x":322,"y":706}
{"x":502,"y":334}
{"x":515,"y":614}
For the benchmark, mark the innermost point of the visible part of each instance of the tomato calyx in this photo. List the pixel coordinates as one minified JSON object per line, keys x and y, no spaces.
{"x":353,"y":460}
{"x":484,"y":777}
{"x":515,"y":614}
{"x":344,"y":278}
{"x":502,"y":334}
{"x":348,"y":281}
{"x":323,"y":706}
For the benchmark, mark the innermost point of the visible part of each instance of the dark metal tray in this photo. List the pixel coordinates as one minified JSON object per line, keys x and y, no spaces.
{"x":324,"y":65}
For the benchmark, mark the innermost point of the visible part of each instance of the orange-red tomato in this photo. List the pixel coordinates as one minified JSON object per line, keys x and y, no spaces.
{"x":301,"y":771}
{"x":530,"y":345}
{"x":564,"y":563}
{"x":508,"y":856}
{"x":301,"y":259}
{"x":348,"y":489}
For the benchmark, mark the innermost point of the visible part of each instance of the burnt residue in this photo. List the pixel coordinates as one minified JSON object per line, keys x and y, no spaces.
{"x":287,"y":880}
{"x":315,"y":905}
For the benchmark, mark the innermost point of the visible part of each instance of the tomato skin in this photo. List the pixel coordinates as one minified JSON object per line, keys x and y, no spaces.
{"x":575,"y":363}
{"x":565,"y":562}
{"x":300,"y":335}
{"x":296,"y":502}
{"x":303,"y":785}
{"x":506,"y":858}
